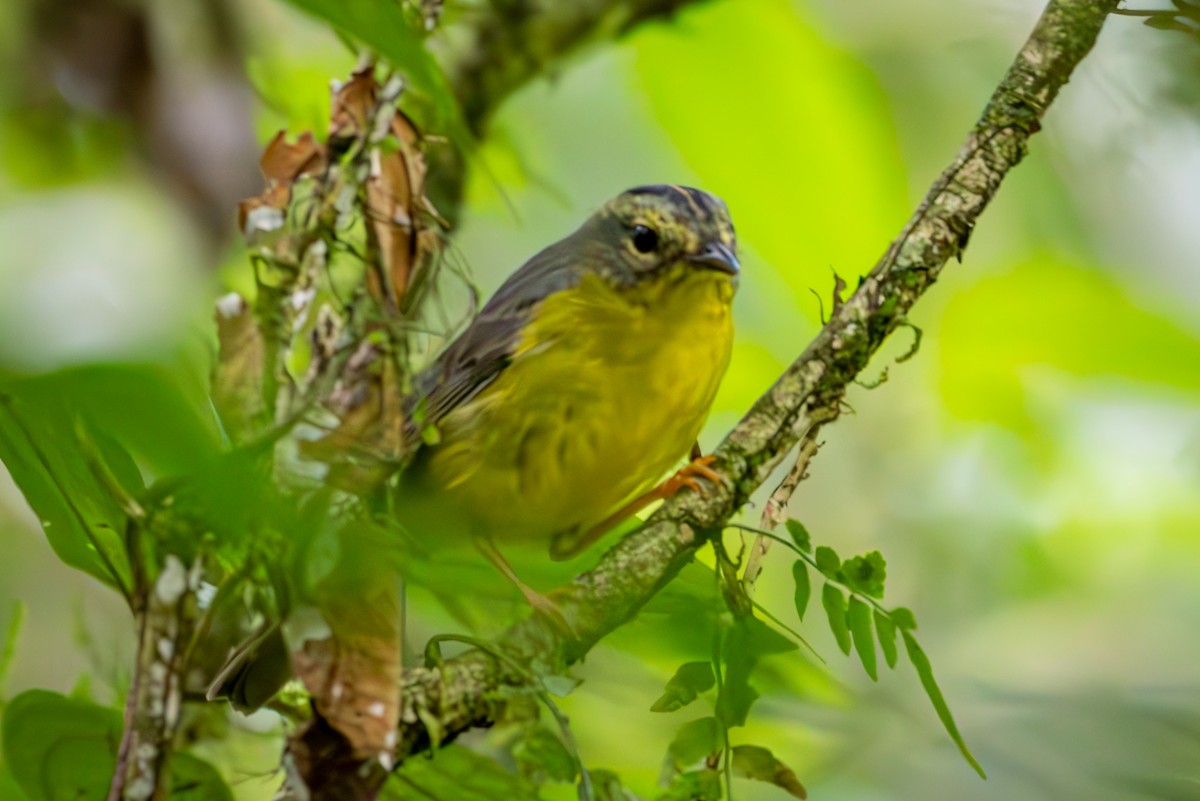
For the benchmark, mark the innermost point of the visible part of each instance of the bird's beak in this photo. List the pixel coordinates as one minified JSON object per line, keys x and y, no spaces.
{"x":716,"y":256}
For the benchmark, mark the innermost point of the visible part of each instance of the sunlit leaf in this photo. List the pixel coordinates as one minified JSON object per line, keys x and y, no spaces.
{"x":799,"y":535}
{"x":828,"y":561}
{"x":778,"y":133}
{"x":757,"y":763}
{"x":925,"y":671}
{"x":803,"y":586}
{"x":1080,"y":322}
{"x":685,"y":686}
{"x":859,"y":618}
{"x":904,"y":619}
{"x":866,"y":573}
{"x":886,"y":631}
{"x":834,"y":603}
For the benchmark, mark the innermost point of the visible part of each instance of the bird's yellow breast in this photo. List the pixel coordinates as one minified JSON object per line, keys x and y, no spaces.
{"x":607,"y":390}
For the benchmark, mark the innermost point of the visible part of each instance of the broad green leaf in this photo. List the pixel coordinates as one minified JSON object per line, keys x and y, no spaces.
{"x":886,"y":630}
{"x":799,"y":535}
{"x":82,"y":521}
{"x":925,"y":671}
{"x":835,"y":133}
{"x":694,"y":741}
{"x":904,"y":619}
{"x":757,"y":763}
{"x":866,"y":573}
{"x":456,"y":772}
{"x":755,"y":638}
{"x":685,"y":686}
{"x":859,"y":618}
{"x":542,"y":755}
{"x":386,"y":28}
{"x":59,"y":748}
{"x":9,"y":789}
{"x":194,"y":779}
{"x":828,"y":561}
{"x":695,"y":785}
{"x":1080,"y":322}
{"x":803,"y":586}
{"x":8,"y":652}
{"x":71,"y":439}
{"x":835,"y":608}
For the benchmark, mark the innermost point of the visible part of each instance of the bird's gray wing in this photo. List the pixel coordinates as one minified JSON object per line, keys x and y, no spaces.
{"x":485,"y":348}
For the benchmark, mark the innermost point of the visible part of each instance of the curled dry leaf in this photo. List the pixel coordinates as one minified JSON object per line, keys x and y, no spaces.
{"x":282,"y":164}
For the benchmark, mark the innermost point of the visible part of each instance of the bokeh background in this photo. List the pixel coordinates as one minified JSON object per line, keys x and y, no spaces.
{"x":1032,"y":476}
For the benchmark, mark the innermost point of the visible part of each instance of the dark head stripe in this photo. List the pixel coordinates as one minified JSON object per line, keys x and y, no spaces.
{"x":699,"y":204}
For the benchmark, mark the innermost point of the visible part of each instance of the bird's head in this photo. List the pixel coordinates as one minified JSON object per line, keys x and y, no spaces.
{"x":652,"y":232}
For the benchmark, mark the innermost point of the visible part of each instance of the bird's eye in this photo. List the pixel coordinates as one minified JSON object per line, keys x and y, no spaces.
{"x":644,"y":239}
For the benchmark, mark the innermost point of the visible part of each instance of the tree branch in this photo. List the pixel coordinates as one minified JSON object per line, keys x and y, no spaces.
{"x":461,"y":692}
{"x":505,"y":44}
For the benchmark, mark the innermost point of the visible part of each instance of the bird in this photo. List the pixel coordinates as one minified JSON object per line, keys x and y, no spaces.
{"x":583,"y":380}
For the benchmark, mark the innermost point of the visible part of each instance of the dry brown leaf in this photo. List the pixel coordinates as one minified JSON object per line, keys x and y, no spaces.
{"x":395,"y":202}
{"x":353,"y":106}
{"x":283,"y":162}
{"x":353,"y":674}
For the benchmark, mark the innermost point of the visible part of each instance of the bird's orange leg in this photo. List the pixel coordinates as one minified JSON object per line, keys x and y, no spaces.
{"x":539,"y":602}
{"x":686,"y":476}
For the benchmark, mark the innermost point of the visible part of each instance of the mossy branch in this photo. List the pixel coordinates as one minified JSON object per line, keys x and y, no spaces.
{"x":462,"y":692}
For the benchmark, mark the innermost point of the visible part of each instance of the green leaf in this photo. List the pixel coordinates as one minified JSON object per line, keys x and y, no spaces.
{"x":904,"y":619}
{"x":835,"y":608}
{"x":746,"y":642}
{"x":695,"y":785}
{"x":606,"y":786}
{"x":925,"y":671}
{"x":59,"y":748}
{"x":759,"y":764}
{"x":886,"y":630}
{"x":688,"y":682}
{"x":827,"y":561}
{"x":859,"y":618}
{"x":694,"y":741}
{"x":81,"y":520}
{"x":803,"y":586}
{"x":799,"y":534}
{"x":385,"y":28}
{"x":456,"y":772}
{"x":866,"y":573}
{"x":12,"y":633}
{"x":542,"y":755}
{"x":194,"y":779}
{"x":560,"y":686}
{"x":64,"y":748}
